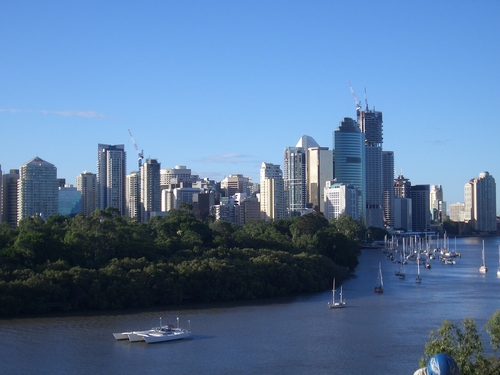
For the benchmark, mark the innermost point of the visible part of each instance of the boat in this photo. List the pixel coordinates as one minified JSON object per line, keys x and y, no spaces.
{"x":418,"y":280}
{"x":333,"y":304}
{"x":483,"y":268}
{"x":167,"y":334}
{"x":379,"y":286}
{"x":155,"y":333}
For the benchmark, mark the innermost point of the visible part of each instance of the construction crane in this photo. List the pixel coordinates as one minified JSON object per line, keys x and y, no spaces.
{"x":140,"y":154}
{"x":356,"y":102}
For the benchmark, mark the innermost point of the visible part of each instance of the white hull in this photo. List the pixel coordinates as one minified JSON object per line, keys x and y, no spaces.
{"x":155,"y":337}
{"x":336,"y":305}
{"x":132,"y":336}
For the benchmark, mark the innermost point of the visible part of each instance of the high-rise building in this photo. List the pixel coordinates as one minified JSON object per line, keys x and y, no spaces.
{"x":340,"y":199}
{"x":457,"y":212}
{"x":403,"y":214}
{"x":235,"y":183}
{"x":175,"y":176}
{"x":86,"y":184}
{"x":319,"y":172}
{"x":132,"y":198}
{"x":70,"y":201}
{"x":437,"y":204}
{"x":111,"y":174}
{"x":402,"y":187}
{"x":294,"y":179}
{"x":388,"y":187}
{"x":37,"y":189}
{"x":272,"y":201}
{"x":480,"y":198}
{"x":150,"y":188}
{"x":349,"y":145}
{"x":9,"y":196}
{"x":370,"y":123}
{"x":421,"y":215}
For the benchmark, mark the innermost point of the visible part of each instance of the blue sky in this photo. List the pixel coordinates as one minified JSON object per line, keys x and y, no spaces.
{"x":221,"y":86}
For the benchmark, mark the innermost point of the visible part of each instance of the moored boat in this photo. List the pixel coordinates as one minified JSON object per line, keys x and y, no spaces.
{"x":379,"y":286}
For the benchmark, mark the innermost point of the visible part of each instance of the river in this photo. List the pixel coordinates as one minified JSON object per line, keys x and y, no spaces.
{"x":374,"y":334}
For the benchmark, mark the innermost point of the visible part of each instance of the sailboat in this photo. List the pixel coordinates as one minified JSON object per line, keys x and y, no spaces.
{"x":379,"y":287}
{"x":498,"y":271}
{"x":483,"y":268}
{"x":333,"y":304}
{"x":418,"y":280}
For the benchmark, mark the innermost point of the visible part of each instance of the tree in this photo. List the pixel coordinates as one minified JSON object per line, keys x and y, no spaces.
{"x":465,"y":346}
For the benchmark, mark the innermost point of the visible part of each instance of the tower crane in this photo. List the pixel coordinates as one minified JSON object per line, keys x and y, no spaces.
{"x":140,"y":154}
{"x":356,"y":102}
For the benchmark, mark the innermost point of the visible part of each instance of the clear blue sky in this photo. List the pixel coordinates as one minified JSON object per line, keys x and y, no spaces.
{"x":221,"y":86}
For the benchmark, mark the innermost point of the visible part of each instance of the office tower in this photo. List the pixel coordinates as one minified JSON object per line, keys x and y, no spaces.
{"x":86,"y":184}
{"x":402,"y":187}
{"x":9,"y":197}
{"x":370,"y":123}
{"x":480,"y":197}
{"x":175,"y":176}
{"x":340,"y":199}
{"x":70,"y":201}
{"x":37,"y":189}
{"x":295,"y":176}
{"x":421,"y":215}
{"x":111,"y":173}
{"x":150,"y":188}
{"x":437,"y":204}
{"x":132,"y":198}
{"x":272,"y":201}
{"x":235,"y":183}
{"x":349,"y":147}
{"x":457,"y":212}
{"x":388,"y":187}
{"x":319,"y":172}
{"x":403,"y":214}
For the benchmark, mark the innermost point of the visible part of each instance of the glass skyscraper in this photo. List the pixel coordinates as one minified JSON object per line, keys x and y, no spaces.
{"x":349,"y":144}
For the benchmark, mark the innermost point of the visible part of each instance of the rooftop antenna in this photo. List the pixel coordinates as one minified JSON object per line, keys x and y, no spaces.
{"x":356,"y":102}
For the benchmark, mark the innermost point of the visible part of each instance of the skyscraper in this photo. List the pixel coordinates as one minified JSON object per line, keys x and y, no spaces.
{"x":37,"y":189}
{"x":150,"y":188}
{"x":349,"y":147}
{"x":272,"y":202}
{"x":370,"y":123}
{"x":111,"y":172}
{"x":480,"y":200}
{"x":319,"y":172}
{"x":420,"y":203}
{"x":295,"y":175}
{"x":86,"y":184}
{"x":132,"y":198}
{"x":9,"y":196}
{"x":388,"y":187}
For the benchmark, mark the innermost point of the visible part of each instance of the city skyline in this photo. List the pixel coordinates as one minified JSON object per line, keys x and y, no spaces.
{"x":222,"y":87}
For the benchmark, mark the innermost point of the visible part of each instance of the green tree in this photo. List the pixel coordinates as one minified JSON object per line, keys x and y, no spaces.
{"x":464,"y":344}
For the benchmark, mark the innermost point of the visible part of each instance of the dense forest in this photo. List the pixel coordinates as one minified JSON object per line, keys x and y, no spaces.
{"x":108,"y":261}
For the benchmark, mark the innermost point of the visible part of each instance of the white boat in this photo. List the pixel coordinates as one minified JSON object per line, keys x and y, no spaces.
{"x":128,"y":335}
{"x":483,"y":268}
{"x":379,"y":286}
{"x":167,"y":334}
{"x":135,"y":336}
{"x":333,"y":304}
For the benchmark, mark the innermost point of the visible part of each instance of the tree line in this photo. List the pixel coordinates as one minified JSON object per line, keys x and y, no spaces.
{"x":108,"y":261}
